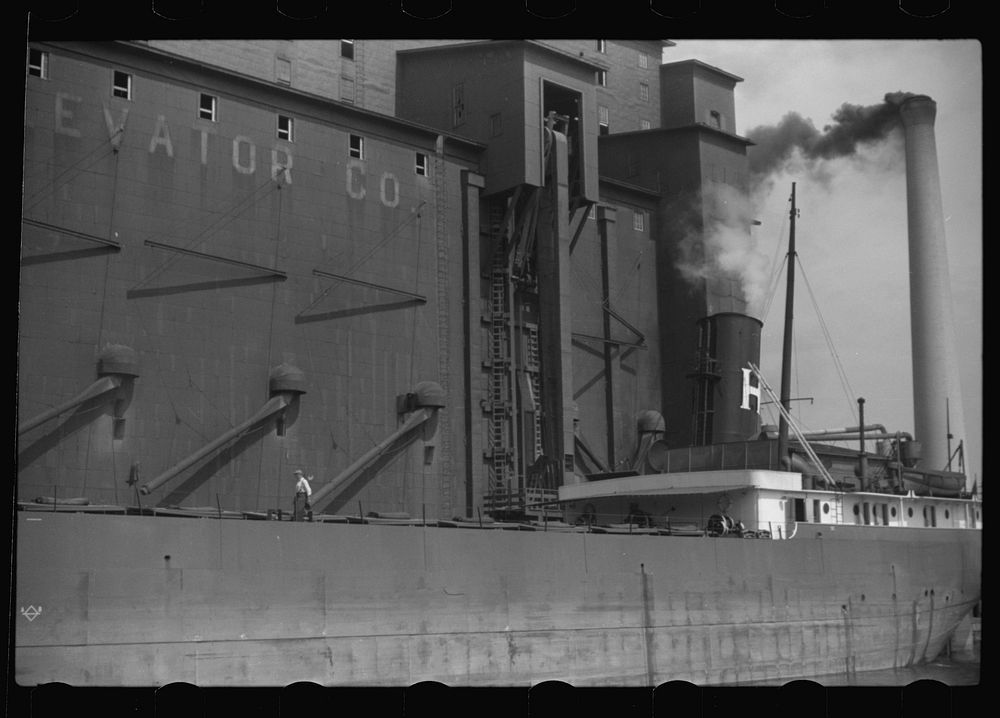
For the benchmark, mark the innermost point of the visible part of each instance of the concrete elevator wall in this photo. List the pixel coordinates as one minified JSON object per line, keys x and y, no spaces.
{"x":207,"y":332}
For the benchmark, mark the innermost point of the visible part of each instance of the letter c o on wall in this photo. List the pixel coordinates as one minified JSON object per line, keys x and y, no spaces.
{"x":386,"y":178}
{"x":359,"y":193}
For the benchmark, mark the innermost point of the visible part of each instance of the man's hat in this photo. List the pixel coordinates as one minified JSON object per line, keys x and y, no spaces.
{"x":298,"y":472}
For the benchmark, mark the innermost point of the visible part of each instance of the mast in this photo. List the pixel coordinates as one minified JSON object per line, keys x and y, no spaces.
{"x":786,"y":348}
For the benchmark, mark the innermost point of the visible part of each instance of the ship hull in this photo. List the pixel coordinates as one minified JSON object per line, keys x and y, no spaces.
{"x":135,"y":600}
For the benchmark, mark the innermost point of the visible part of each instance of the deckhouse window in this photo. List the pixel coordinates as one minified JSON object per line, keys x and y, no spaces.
{"x":122,"y":85}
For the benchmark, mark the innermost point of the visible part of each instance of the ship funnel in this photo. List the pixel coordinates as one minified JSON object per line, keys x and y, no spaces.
{"x":937,"y":395}
{"x":726,"y":401}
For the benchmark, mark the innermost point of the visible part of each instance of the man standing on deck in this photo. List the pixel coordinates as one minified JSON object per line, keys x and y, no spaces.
{"x":303,"y":492}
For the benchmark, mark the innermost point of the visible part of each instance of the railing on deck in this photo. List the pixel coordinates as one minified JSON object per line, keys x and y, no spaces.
{"x":738,"y":455}
{"x":537,"y":517}
{"x":532,"y":502}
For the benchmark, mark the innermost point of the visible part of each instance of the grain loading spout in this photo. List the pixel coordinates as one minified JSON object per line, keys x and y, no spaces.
{"x":285,"y":385}
{"x":116,"y":365}
{"x":426,"y":399}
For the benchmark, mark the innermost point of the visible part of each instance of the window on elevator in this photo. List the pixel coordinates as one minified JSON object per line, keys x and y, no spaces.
{"x":347,"y":88}
{"x":457,"y":104}
{"x":285,"y":128}
{"x":356,"y":147}
{"x":38,"y":63}
{"x":122,"y":85}
{"x":207,"y":105}
{"x":347,"y":49}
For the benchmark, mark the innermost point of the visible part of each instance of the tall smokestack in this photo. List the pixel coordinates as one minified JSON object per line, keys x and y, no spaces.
{"x":936,"y":392}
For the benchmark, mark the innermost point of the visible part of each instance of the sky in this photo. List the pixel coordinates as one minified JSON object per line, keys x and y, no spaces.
{"x":851,"y":234}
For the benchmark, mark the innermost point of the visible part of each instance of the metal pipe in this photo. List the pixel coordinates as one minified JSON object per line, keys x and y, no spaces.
{"x":847,"y":436}
{"x":340,"y":480}
{"x":862,"y":459}
{"x":101,"y":386}
{"x":872,"y":431}
{"x":845,"y":430}
{"x":274,"y":405}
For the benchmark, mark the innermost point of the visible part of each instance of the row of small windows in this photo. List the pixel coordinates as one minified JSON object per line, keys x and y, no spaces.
{"x":602,"y":80}
{"x":121,"y":84}
{"x":638,"y":218}
{"x":604,"y":121}
{"x":873,"y":512}
{"x":643,"y":58}
{"x":208,"y":106}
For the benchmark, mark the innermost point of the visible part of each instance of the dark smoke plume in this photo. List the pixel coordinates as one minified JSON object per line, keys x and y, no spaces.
{"x":852,"y":127}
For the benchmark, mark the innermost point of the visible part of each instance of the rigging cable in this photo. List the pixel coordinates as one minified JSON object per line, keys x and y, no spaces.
{"x":48,"y":189}
{"x":841,"y":373}
{"x":270,"y":341}
{"x":415,"y":215}
{"x":773,"y":280}
{"x":216,"y":225}
{"x":144,"y":324}
{"x":773,"y":289}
